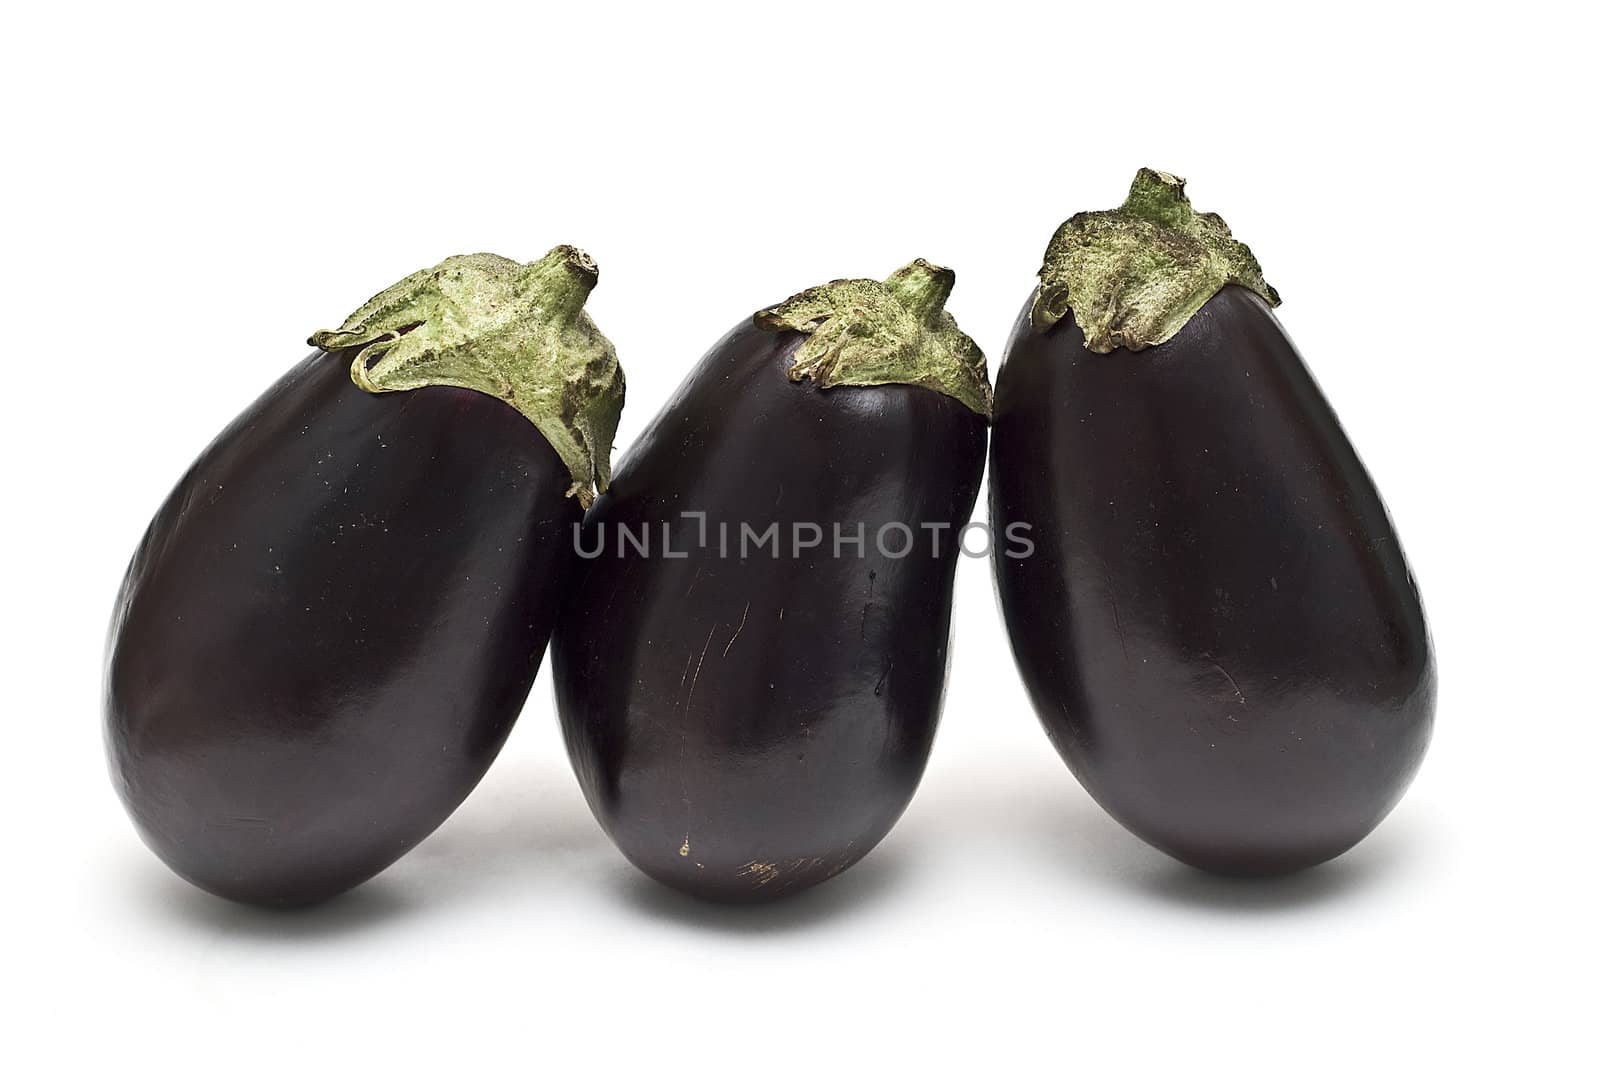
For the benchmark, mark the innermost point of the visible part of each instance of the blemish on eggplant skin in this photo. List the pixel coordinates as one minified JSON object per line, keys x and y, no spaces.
{"x":684,"y":850}
{"x":762,"y":872}
{"x":742,"y":619}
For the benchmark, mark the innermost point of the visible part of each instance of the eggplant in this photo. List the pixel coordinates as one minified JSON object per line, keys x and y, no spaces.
{"x":750,"y":668}
{"x":334,"y":619}
{"x":1216,"y":623}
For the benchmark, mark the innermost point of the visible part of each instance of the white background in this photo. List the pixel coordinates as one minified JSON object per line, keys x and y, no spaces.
{"x":189,"y":192}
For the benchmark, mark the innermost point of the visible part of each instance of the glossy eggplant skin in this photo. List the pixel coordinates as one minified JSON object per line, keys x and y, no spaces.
{"x":329,"y":628}
{"x":1217,"y":626}
{"x":746,"y":728}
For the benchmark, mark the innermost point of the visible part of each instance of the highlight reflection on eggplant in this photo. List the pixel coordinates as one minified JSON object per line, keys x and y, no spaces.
{"x":748,"y":722}
{"x":1218,"y":627}
{"x":332,"y":623}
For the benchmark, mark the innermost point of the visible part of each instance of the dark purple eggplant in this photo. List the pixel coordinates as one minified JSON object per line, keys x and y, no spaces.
{"x":1216,"y":625}
{"x":332,"y":623}
{"x":750,"y":718}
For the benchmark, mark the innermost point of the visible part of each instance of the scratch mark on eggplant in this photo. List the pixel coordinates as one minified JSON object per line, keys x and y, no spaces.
{"x":1116,"y":622}
{"x":877,"y":689}
{"x":762,"y":872}
{"x":1079,"y":733}
{"x":872,"y":580}
{"x":1235,"y":684}
{"x":742,"y":619}
{"x":696,"y":679}
{"x":683,"y":743}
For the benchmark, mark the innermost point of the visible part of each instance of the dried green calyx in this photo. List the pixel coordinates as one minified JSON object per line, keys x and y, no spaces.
{"x":515,"y":331}
{"x":864,"y":333}
{"x":1133,"y":276}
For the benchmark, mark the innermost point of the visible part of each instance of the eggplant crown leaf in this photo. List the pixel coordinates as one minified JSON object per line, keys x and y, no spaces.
{"x":864,"y":333}
{"x":515,"y":331}
{"x":1133,"y":276}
